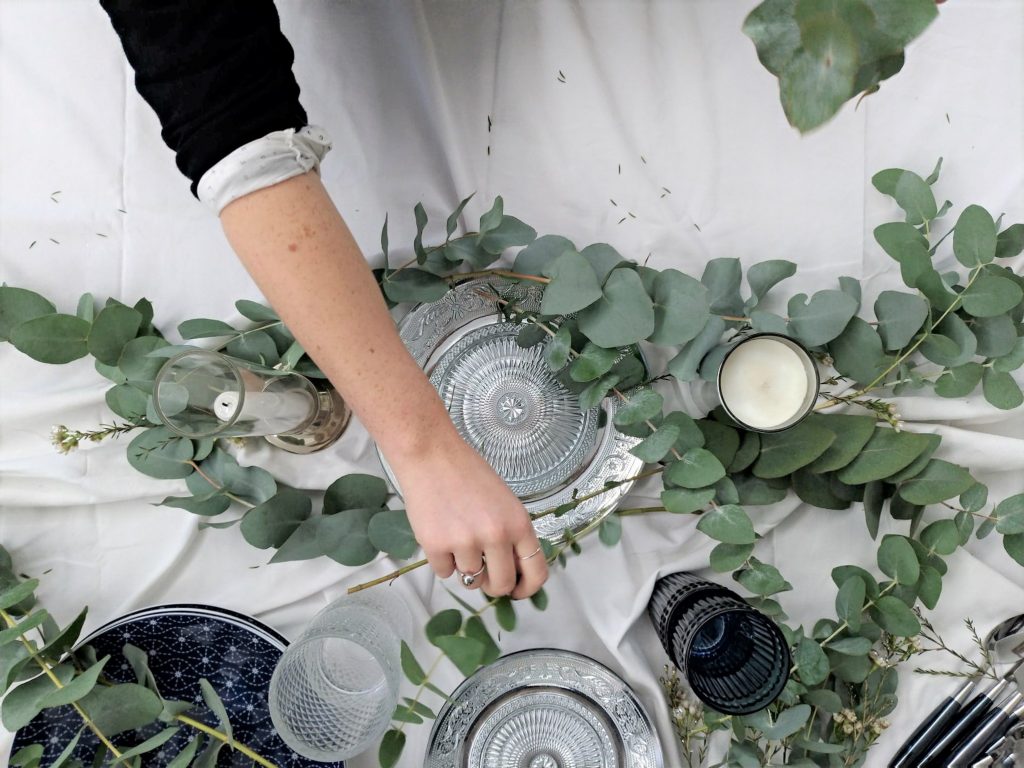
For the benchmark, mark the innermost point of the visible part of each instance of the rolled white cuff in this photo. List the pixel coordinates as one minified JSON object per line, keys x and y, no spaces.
{"x":262,"y":163}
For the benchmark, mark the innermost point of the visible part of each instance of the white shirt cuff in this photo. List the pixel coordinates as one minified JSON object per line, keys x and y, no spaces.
{"x":262,"y":163}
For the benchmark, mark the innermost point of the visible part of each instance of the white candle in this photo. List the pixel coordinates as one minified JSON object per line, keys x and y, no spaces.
{"x":277,"y":412}
{"x":766,"y":382}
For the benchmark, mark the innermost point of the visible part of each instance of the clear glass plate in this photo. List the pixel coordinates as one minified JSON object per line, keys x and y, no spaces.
{"x":507,"y":404}
{"x":543,"y":709}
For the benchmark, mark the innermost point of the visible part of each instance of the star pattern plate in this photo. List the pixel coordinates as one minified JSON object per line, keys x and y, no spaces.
{"x":235,"y":653}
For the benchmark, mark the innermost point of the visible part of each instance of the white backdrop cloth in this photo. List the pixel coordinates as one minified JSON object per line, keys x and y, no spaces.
{"x":669,"y":92}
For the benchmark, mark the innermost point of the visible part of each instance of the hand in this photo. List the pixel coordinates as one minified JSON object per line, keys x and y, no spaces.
{"x":462,"y":513}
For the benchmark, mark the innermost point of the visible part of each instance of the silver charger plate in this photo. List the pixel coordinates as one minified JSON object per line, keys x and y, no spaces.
{"x":543,"y":708}
{"x":511,"y":408}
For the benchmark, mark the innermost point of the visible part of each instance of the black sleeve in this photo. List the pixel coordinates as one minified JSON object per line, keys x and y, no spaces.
{"x":216,"y":72}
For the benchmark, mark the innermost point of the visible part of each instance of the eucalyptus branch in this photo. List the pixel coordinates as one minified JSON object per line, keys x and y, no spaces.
{"x":387,"y":577}
{"x":218,"y":486}
{"x":870,"y":604}
{"x":220,"y":736}
{"x":48,"y":671}
{"x":954,"y":304}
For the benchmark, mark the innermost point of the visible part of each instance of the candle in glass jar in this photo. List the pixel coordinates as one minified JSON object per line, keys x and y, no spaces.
{"x":767,"y":382}
{"x":276,"y":412}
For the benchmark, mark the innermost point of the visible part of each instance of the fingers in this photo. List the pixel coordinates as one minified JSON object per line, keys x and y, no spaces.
{"x":442,"y":562}
{"x":501,"y":571}
{"x":470,"y":561}
{"x":533,"y":568}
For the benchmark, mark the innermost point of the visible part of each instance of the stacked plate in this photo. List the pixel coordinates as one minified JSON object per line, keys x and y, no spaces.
{"x":513,"y":410}
{"x":543,"y":709}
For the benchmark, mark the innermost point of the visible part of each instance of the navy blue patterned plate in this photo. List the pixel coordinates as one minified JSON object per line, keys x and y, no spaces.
{"x":235,"y":653}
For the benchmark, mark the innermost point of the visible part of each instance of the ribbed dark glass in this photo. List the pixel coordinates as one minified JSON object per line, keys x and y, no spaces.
{"x":734,"y":657}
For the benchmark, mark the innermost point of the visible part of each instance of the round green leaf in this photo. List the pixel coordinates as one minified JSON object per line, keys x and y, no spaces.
{"x":1010,"y":242}
{"x":113,"y":327}
{"x":997,"y":336}
{"x":821,"y":319}
{"x":443,"y":624}
{"x":535,"y":257}
{"x":1012,"y":360}
{"x":271,"y":523}
{"x":18,"y":305}
{"x":122,"y":707}
{"x":1001,"y":390}
{"x":697,"y":468}
{"x":684,"y":501}
{"x":851,"y":646}
{"x":157,"y":452}
{"x":344,"y":536}
{"x":137,"y":364}
{"x":852,"y":433}
{"x":1014,"y":546}
{"x":624,"y":314}
{"x":556,"y":352}
{"x":255,"y":347}
{"x":857,"y":352}
{"x":593,"y":362}
{"x":850,"y":601}
{"x":681,"y":308}
{"x":820,"y":76}
{"x":391,"y":747}
{"x":974,"y":237}
{"x":728,"y":557}
{"x":722,"y":278}
{"x":893,"y":615}
{"x":811,"y":662}
{"x":656,"y":446}
{"x":355,"y":491}
{"x":390,"y":532}
{"x":258,"y":313}
{"x":414,"y":285}
{"x":896,"y":558}
{"x":573,"y":286}
{"x":761,"y":578}
{"x":959,"y":381}
{"x":989,"y":296}
{"x":764,"y":275}
{"x":729,"y":524}
{"x":509,"y":233}
{"x":52,"y":338}
{"x":942,"y":537}
{"x":643,"y":404}
{"x":1009,"y":514}
{"x":900,"y":316}
{"x":127,"y":401}
{"x":939,"y":481}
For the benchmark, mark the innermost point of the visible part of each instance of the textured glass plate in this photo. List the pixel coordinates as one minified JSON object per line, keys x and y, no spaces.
{"x":543,"y":709}
{"x":237,"y":654}
{"x":507,"y":404}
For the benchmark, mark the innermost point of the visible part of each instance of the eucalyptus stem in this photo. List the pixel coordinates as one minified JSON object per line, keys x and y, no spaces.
{"x":213,"y":732}
{"x":48,"y":671}
{"x":459,"y":276}
{"x":219,"y":487}
{"x":240,"y":334}
{"x":387,"y":577}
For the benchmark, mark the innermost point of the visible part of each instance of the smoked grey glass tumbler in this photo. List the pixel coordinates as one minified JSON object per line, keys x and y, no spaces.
{"x":735,"y":658}
{"x":335,"y":688}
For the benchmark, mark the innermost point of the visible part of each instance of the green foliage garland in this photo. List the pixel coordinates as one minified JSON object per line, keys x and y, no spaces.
{"x":951,"y":332}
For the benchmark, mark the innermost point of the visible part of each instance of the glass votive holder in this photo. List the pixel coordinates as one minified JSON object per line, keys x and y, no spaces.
{"x":735,"y":658}
{"x":335,"y":688}
{"x":200,"y":393}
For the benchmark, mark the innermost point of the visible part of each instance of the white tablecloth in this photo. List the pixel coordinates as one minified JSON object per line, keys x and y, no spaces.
{"x":670,"y":92}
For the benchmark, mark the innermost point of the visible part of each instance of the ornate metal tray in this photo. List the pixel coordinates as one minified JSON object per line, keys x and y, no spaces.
{"x":507,"y":404}
{"x":543,"y":708}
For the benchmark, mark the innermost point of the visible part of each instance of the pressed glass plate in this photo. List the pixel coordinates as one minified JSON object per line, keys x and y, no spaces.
{"x":512,"y":409}
{"x":543,"y":709}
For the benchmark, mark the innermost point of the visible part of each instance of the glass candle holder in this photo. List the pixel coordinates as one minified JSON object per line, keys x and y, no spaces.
{"x":335,"y":688}
{"x":200,"y":393}
{"x":735,"y":658}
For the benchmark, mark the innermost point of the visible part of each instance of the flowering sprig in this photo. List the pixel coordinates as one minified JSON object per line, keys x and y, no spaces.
{"x":66,"y":440}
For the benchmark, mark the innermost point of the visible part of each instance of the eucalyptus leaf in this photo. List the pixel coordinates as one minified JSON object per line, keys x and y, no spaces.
{"x":159,"y":453}
{"x":850,"y":601}
{"x":912,"y":193}
{"x":900,"y":316}
{"x":255,"y":347}
{"x":113,"y":327}
{"x":509,"y":233}
{"x":697,"y":468}
{"x":271,"y":523}
{"x":989,"y":296}
{"x":974,"y":237}
{"x":573,"y":287}
{"x":685,"y":364}
{"x":414,"y":285}
{"x":996,"y":336}
{"x":121,"y":707}
{"x":939,"y":481}
{"x":534,"y":258}
{"x":1009,"y":243}
{"x":821,"y":319}
{"x":592,"y":362}
{"x":18,"y":305}
{"x":1001,"y":390}
{"x":765,"y":275}
{"x":893,"y":615}
{"x":622,"y":316}
{"x":959,"y":381}
{"x":852,"y":433}
{"x":23,"y":703}
{"x":811,"y":663}
{"x":52,"y":338}
{"x":886,"y":452}
{"x":390,"y":750}
{"x":1009,"y":514}
{"x":782,"y":453}
{"x":820,"y":77}
{"x":729,"y":524}
{"x":722,"y":279}
{"x":657,"y":445}
{"x":896,"y":558}
{"x":727,"y":557}
{"x":681,"y":308}
{"x":762,"y":578}
{"x":390,"y":532}
{"x":355,"y":491}
{"x":76,"y":688}
{"x":941,"y":537}
{"x":683,"y":501}
{"x":641,"y":405}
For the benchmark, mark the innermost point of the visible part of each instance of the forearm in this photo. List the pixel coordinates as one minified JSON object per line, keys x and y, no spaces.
{"x":299,"y":251}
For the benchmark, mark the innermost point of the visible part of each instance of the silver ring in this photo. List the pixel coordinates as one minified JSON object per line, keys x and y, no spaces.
{"x":469,"y":579}
{"x":532,"y":554}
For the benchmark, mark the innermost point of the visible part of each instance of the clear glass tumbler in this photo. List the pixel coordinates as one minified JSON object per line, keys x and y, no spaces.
{"x":334,"y":691}
{"x":200,"y":393}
